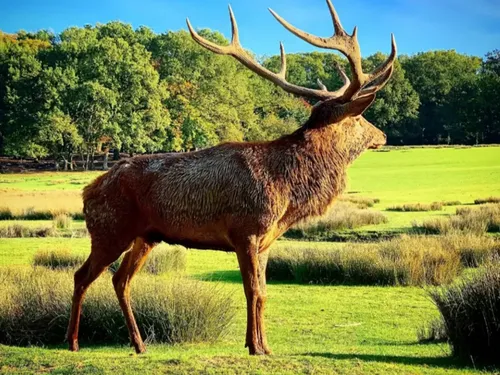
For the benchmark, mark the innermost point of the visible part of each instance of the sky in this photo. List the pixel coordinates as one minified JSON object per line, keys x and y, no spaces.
{"x":468,"y":26}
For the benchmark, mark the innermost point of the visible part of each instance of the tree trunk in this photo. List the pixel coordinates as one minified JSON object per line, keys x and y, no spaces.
{"x":105,"y":162}
{"x":116,"y":154}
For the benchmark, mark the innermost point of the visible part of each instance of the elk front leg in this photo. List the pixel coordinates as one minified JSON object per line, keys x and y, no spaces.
{"x":249,"y":267}
{"x":261,"y":301}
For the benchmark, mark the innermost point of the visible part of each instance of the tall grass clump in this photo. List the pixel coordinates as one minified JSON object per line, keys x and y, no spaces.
{"x":62,"y":221}
{"x":342,"y":216}
{"x":164,"y":259}
{"x":35,"y":306}
{"x":433,"y":331}
{"x":409,"y":260}
{"x":414,"y":207}
{"x":360,"y":202}
{"x":471,"y":313}
{"x":487,"y":200}
{"x":58,"y":259}
{"x":21,"y":231}
{"x":470,"y":220}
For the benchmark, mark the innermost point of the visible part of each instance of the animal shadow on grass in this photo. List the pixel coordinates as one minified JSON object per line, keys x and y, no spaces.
{"x":227,"y":276}
{"x":443,"y":362}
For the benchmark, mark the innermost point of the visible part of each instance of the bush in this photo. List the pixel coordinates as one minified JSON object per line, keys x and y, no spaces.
{"x":487,"y":200}
{"x":477,"y":221}
{"x":342,"y":216}
{"x":408,"y":207}
{"x":32,"y":214}
{"x":451,"y":203}
{"x":59,"y":259}
{"x":62,"y":221}
{"x":471,"y":315}
{"x":35,"y":306}
{"x":409,"y":260}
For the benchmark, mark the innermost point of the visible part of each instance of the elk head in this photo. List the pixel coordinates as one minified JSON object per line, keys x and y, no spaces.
{"x":343,"y":107}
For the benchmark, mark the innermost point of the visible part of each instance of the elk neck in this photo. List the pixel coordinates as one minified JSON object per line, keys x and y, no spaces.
{"x":311,"y":163}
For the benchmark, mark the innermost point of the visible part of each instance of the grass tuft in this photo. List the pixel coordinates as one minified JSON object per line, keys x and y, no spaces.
{"x":408,"y":260}
{"x":35,"y":305}
{"x":342,"y":216}
{"x":5,"y":213}
{"x":62,"y":221}
{"x":417,"y":207}
{"x":60,"y":259}
{"x":469,"y":220}
{"x":433,"y":331}
{"x":360,"y":202}
{"x":471,"y":313}
{"x":487,"y":200}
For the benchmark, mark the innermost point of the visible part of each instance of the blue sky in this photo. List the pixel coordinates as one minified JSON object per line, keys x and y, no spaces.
{"x":468,"y":26}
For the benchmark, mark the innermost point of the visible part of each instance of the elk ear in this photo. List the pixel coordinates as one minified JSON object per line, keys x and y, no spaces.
{"x":359,"y":105}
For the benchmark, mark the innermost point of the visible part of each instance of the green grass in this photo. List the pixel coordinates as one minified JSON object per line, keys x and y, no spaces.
{"x":312,"y":329}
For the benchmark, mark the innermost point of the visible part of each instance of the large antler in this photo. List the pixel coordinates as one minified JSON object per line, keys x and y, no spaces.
{"x":362,"y":84}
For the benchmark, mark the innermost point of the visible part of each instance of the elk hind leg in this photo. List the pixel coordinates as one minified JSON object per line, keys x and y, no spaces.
{"x":97,"y":262}
{"x":131,"y":264}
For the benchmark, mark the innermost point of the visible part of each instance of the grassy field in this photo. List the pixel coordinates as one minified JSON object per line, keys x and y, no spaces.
{"x":312,"y":329}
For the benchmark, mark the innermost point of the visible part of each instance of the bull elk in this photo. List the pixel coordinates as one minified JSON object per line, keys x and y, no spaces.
{"x":235,"y":196}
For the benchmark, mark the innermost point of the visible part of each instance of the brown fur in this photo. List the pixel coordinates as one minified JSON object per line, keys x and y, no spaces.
{"x":234,"y":197}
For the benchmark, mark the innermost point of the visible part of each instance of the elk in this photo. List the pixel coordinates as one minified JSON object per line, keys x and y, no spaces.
{"x":236,"y":197}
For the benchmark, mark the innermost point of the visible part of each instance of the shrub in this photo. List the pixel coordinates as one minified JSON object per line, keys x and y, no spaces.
{"x":471,"y":315}
{"x":408,"y":207}
{"x":62,"y":221}
{"x":477,"y":221}
{"x":59,"y":259}
{"x":342,"y":216}
{"x":487,"y":200}
{"x":5,"y":213}
{"x":409,"y":260}
{"x":35,"y":306}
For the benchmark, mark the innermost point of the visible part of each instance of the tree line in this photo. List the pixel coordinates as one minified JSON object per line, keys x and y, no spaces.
{"x":92,"y":89}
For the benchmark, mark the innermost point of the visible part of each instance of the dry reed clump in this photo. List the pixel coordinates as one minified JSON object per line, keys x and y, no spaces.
{"x":33,"y":214}
{"x":433,"y":331}
{"x":360,"y":202}
{"x":343,"y":215}
{"x":470,"y":310}
{"x":451,"y":203}
{"x":408,"y":260}
{"x":163,"y":259}
{"x":487,"y":200}
{"x":469,"y":220}
{"x":62,"y":221}
{"x":58,"y":259}
{"x":21,"y":231}
{"x":35,"y":306}
{"x":413,"y":207}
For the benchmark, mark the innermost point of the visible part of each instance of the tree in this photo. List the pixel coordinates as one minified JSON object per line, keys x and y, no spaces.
{"x":433,"y":75}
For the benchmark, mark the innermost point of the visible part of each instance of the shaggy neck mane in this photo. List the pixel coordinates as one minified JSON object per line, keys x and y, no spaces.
{"x":310,"y":164}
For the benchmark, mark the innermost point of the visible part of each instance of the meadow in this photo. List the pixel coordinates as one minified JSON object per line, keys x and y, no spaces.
{"x":312,"y":328}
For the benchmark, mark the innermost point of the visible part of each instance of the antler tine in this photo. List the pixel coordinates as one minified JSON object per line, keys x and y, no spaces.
{"x":337,"y":26}
{"x":349,"y":46}
{"x":282,"y":72}
{"x":321,"y":85}
{"x":236,"y":50}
